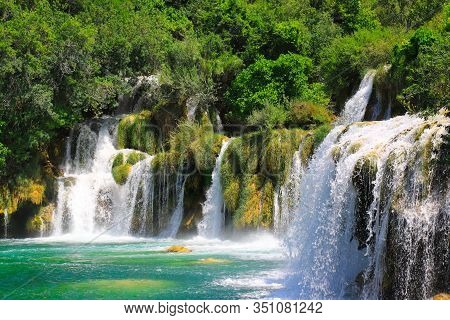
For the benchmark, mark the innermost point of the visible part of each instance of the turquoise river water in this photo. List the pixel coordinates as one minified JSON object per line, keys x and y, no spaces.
{"x":136,"y":268}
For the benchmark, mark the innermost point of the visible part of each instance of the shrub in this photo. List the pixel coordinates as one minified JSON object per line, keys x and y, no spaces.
{"x":420,"y":66}
{"x":307,"y":114}
{"x":271,"y":116}
{"x":268,"y":82}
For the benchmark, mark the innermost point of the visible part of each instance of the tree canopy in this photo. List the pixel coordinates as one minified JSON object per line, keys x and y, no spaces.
{"x":65,"y":61}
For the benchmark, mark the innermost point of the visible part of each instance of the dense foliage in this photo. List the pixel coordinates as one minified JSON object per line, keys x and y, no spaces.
{"x":271,"y":63}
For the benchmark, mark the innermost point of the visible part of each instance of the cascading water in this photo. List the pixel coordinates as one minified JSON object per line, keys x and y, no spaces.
{"x":87,"y":188}
{"x":287,"y":196}
{"x":219,"y":124}
{"x":408,"y":219}
{"x":41,"y":226}
{"x":139,"y":200}
{"x":5,"y":223}
{"x":377,"y":108}
{"x":177,"y":216}
{"x":213,"y":209}
{"x":369,"y":184}
{"x":89,"y":201}
{"x":355,"y":107}
{"x":192,"y":104}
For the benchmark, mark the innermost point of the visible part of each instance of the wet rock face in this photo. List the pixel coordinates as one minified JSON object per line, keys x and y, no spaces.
{"x":40,"y":224}
{"x":105,"y":205}
{"x":363,"y":177}
{"x":145,"y":92}
{"x":369,"y":204}
{"x":417,"y":258}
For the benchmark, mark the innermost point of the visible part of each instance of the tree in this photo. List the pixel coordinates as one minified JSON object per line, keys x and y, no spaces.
{"x":271,"y":82}
{"x":420,"y":66}
{"x":407,"y":13}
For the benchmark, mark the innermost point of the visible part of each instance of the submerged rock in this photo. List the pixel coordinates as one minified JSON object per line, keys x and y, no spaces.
{"x":442,"y":296}
{"x":212,"y":261}
{"x":178,"y":249}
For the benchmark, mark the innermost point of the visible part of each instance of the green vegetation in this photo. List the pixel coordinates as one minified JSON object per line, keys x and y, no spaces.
{"x":122,"y":163}
{"x":195,"y":145}
{"x":136,"y":132}
{"x":420,"y":66}
{"x":253,"y":165}
{"x":349,"y":57}
{"x":269,"y":64}
{"x":41,"y":223}
{"x":270,"y":82}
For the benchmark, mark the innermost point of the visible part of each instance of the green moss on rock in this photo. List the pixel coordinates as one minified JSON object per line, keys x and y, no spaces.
{"x":135,"y":131}
{"x":22,"y":190}
{"x":249,"y":209}
{"x":252,"y":166}
{"x":279,"y":148}
{"x":255,"y":204}
{"x":123,"y":163}
{"x":167,"y":162}
{"x":320,"y":133}
{"x":120,"y":173}
{"x":118,"y":160}
{"x":230,"y":184}
{"x":41,"y":223}
{"x":134,"y":157}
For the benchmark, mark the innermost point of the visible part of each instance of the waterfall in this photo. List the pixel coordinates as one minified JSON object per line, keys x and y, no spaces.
{"x":139,"y":198}
{"x":287,"y":196}
{"x":219,"y":124}
{"x":5,"y":223}
{"x":171,"y":229}
{"x":192,"y":104}
{"x":41,"y":226}
{"x":377,"y":108}
{"x":67,"y":166}
{"x":213,"y":209}
{"x":89,"y":201}
{"x":85,"y":150}
{"x":87,"y":187}
{"x":369,"y":184}
{"x":355,"y":107}
{"x":162,"y":198}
